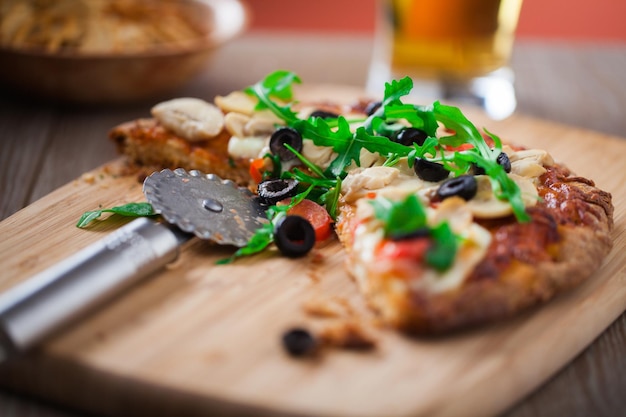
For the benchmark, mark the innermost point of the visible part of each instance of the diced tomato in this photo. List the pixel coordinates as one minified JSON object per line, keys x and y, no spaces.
{"x":488,"y":140}
{"x":459,"y":148}
{"x":316,"y":215}
{"x":413,"y":249}
{"x":257,"y":168}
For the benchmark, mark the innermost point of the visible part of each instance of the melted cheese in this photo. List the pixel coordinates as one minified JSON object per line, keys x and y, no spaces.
{"x":367,"y":237}
{"x":476,"y":241}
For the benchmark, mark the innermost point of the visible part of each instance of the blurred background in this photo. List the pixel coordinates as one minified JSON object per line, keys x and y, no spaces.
{"x":558,"y":44}
{"x":576,"y":20}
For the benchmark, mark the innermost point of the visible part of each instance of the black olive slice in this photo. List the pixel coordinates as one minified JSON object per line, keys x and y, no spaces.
{"x":476,"y":170}
{"x":282,"y":136}
{"x":272,"y":191}
{"x":299,"y":342}
{"x":372,"y":107}
{"x":294,"y":236}
{"x":502,"y":159}
{"x":464,"y":186}
{"x":324,"y":114}
{"x":430,"y":171}
{"x":409,"y":136}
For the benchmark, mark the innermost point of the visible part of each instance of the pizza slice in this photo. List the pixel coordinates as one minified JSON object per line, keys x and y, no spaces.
{"x":500,"y":266}
{"x":444,"y":226}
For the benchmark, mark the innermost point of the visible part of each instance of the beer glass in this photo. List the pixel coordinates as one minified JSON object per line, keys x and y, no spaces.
{"x":455,"y":50}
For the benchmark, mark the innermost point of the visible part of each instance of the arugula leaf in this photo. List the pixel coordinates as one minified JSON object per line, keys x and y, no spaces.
{"x":278,"y":85}
{"x":328,"y":189}
{"x":336,"y":134}
{"x":392,"y":108}
{"x":399,"y":218}
{"x":262,"y":238}
{"x":310,"y":165}
{"x":340,"y":139}
{"x":330,"y":199}
{"x":443,"y":251}
{"x":396,"y":89}
{"x":129,"y":210}
{"x":390,"y":117}
{"x":465,"y":132}
{"x":429,"y":147}
{"x":348,"y":146}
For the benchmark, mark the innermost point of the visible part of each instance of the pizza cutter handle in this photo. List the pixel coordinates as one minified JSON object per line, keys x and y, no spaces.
{"x":45,"y":303}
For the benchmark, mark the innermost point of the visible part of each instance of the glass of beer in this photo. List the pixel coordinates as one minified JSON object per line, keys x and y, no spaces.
{"x":453,"y":49}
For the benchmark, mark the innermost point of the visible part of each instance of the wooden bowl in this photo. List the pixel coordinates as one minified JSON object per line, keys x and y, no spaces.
{"x":70,"y":75}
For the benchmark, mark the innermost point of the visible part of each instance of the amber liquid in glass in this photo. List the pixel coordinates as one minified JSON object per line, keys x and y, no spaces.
{"x":451,"y":38}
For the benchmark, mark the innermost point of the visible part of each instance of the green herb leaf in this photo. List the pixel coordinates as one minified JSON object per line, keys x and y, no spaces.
{"x":87,"y":218}
{"x":392,"y":109}
{"x":393,"y":115}
{"x":262,"y":238}
{"x":129,"y":210}
{"x":330,"y":199}
{"x":276,"y":85}
{"x":443,"y":251}
{"x":400,"y":217}
{"x":465,"y":132}
{"x":429,"y":147}
{"x":337,"y":134}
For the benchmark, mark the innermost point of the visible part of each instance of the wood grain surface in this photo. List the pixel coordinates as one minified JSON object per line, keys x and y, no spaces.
{"x":199,"y":338}
{"x":45,"y":145}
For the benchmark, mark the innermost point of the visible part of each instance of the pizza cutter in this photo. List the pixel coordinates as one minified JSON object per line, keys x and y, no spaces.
{"x":191,"y":203}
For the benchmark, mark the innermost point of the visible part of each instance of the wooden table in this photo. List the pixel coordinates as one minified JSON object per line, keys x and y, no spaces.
{"x":44,"y":146}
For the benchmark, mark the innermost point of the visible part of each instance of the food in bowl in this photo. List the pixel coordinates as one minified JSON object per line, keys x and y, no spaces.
{"x":99,"y":26}
{"x":111,"y":50}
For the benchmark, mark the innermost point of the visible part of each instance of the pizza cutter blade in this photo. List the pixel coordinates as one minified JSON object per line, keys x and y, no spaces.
{"x":192,"y":204}
{"x":205,"y":205}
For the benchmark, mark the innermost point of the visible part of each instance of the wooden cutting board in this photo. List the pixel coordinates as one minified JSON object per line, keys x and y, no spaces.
{"x":200,"y":339}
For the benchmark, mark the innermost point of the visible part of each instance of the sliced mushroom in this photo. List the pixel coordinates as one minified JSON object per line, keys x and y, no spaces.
{"x":539,"y":156}
{"x":235,"y":123}
{"x":190,"y":118}
{"x":262,"y":123}
{"x":238,"y":102}
{"x":527,"y":168}
{"x":485,"y":205}
{"x":247,"y":147}
{"x":530,"y":162}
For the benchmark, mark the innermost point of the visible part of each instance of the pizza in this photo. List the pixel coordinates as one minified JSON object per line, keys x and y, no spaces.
{"x":445,"y":226}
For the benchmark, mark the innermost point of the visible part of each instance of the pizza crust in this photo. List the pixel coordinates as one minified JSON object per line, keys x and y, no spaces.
{"x":148,"y":144}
